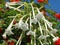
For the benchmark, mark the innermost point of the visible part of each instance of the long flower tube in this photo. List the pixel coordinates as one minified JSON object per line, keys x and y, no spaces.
{"x":21,"y":36}
{"x":41,"y":42}
{"x":43,"y":18}
{"x":8,"y":4}
{"x":33,"y":11}
{"x":40,"y":28}
{"x":13,"y":3}
{"x":22,"y":25}
{"x":49,"y":24}
{"x":35,"y":37}
{"x":48,"y":30}
{"x":9,"y":28}
{"x":30,"y":32}
{"x":39,"y":21}
{"x":34,"y":20}
{"x":15,"y":8}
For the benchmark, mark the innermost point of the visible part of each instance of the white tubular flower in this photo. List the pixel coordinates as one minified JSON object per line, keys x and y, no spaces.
{"x":30,"y":33}
{"x":46,"y":43}
{"x":54,"y":31}
{"x":8,"y":30}
{"x":22,"y":25}
{"x":55,"y":39}
{"x":48,"y":23}
{"x":10,"y":3}
{"x":43,"y":36}
{"x":40,"y":15}
{"x":34,"y":21}
{"x":33,"y":11}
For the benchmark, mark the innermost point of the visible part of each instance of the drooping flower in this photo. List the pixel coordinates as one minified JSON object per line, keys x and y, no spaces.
{"x":30,"y":33}
{"x":34,"y":21}
{"x":54,"y":31}
{"x":43,"y":36}
{"x":40,"y":15}
{"x":22,"y":25}
{"x":8,"y":31}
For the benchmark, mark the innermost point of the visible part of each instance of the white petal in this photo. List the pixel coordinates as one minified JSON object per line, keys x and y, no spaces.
{"x":7,"y":5}
{"x":34,"y":21}
{"x":8,"y":32}
{"x":24,"y":27}
{"x":43,"y":36}
{"x":54,"y":31}
{"x":55,"y":39}
{"x":4,"y":35}
{"x":30,"y":33}
{"x":38,"y":16}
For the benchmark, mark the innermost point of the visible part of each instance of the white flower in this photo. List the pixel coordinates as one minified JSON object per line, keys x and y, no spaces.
{"x":54,"y":31}
{"x":34,"y":21}
{"x":43,"y":36}
{"x":4,"y":35}
{"x":55,"y":39}
{"x":8,"y":32}
{"x":48,"y":23}
{"x":22,"y":25}
{"x":7,"y":5}
{"x":40,"y":15}
{"x":46,"y":43}
{"x":30,"y":33}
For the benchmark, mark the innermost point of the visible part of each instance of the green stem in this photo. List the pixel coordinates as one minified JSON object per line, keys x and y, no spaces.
{"x":20,"y":39}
